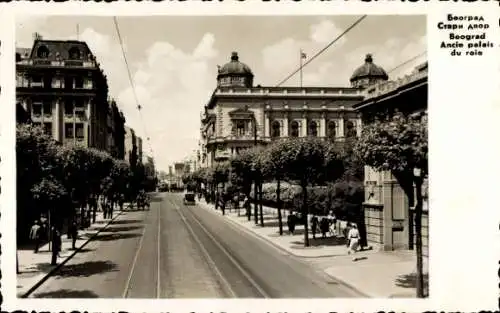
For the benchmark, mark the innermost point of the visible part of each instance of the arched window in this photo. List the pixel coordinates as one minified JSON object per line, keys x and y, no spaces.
{"x":275,"y":129}
{"x":74,"y":53}
{"x":331,"y":130}
{"x":42,"y":52}
{"x":313,"y":129}
{"x":350,"y":130}
{"x":294,"y":129}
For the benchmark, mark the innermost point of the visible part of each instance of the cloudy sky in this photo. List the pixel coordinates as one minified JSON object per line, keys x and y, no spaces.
{"x":174,"y":60}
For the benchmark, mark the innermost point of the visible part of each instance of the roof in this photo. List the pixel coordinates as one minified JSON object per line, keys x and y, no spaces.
{"x":235,"y":67}
{"x":369,"y":69}
{"x":60,"y":49}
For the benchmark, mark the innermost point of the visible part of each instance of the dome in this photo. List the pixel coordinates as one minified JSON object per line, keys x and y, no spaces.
{"x":368,"y":73}
{"x":235,"y":73}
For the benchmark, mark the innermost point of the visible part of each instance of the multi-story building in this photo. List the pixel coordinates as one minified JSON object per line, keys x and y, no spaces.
{"x":239,"y":115}
{"x":130,"y":145}
{"x":149,"y":166}
{"x":389,"y":211}
{"x":139,"y":149}
{"x":116,"y":131}
{"x":62,"y":87}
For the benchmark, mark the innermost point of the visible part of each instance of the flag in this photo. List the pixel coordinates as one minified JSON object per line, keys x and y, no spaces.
{"x":303,"y":55}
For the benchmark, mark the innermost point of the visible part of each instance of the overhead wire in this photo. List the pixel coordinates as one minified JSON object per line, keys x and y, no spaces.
{"x":322,"y":50}
{"x":134,"y":91}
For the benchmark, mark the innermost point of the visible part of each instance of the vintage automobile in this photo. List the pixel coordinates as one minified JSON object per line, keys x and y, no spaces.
{"x":189,"y":198}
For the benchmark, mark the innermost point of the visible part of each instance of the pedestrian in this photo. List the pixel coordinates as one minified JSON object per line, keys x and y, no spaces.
{"x":314,"y":225}
{"x":73,"y":231}
{"x":353,"y":240}
{"x":110,"y":209}
{"x":324,"y":224}
{"x":56,"y":245}
{"x":291,"y":220}
{"x":35,"y":235}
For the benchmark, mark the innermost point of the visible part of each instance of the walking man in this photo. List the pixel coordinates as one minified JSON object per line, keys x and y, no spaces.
{"x":314,"y":225}
{"x":73,"y":232}
{"x":353,"y":240}
{"x":56,"y":245}
{"x":35,"y":235}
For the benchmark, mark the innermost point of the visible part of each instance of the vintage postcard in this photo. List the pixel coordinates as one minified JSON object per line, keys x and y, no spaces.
{"x":225,"y":157}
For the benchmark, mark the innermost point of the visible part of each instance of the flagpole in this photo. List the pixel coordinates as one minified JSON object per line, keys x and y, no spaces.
{"x":300,"y":56}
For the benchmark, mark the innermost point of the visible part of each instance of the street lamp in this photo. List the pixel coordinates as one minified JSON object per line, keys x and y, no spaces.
{"x":254,"y":173}
{"x":417,"y":173}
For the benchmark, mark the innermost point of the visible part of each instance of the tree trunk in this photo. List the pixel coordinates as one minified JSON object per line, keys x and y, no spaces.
{"x":255,"y":204}
{"x":305,"y":212}
{"x":261,"y":211}
{"x":278,"y":203}
{"x":17,"y":262}
{"x":94,"y":210}
{"x":418,"y":238}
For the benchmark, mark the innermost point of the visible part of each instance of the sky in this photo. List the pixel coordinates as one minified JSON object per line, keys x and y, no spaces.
{"x":173,"y":60}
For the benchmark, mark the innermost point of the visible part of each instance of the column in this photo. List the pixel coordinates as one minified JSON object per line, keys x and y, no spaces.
{"x":322,"y":126}
{"x":341,"y":122}
{"x":57,"y":120}
{"x":285,"y":125}
{"x":359,"y":127}
{"x":303,"y":127}
{"x":267,"y":132}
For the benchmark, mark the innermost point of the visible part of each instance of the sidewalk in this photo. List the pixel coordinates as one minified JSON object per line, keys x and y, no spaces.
{"x":35,"y":268}
{"x":378,"y":274}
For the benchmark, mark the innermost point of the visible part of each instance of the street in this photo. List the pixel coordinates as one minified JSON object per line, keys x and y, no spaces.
{"x":178,"y":251}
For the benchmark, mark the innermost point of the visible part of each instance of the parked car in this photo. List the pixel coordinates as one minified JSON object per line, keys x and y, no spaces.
{"x":189,"y":198}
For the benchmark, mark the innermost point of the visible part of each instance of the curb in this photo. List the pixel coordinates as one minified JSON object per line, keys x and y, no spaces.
{"x":261,"y":237}
{"x":69,"y":257}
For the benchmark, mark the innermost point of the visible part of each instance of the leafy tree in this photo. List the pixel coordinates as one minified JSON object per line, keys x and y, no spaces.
{"x":309,"y":161}
{"x":399,"y":144}
{"x":242,"y":173}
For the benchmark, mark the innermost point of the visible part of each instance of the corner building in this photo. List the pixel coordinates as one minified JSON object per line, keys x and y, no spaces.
{"x":62,"y":88}
{"x":240,"y":116}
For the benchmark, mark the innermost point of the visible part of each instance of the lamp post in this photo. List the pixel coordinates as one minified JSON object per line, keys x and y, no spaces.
{"x":254,"y":172}
{"x":417,"y":174}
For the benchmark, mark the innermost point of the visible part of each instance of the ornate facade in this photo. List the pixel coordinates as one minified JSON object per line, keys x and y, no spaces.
{"x":62,"y":88}
{"x":239,"y":116}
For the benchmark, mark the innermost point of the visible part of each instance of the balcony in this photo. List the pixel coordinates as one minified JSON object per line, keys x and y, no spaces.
{"x":62,"y":63}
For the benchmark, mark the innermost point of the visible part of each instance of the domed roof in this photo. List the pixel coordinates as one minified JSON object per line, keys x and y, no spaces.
{"x":369,"y":70}
{"x":235,"y":67}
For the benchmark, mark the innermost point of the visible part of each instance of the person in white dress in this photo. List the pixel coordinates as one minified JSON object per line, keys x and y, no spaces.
{"x":353,"y":237}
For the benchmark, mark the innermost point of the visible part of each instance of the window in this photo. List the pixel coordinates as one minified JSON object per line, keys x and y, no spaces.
{"x":68,"y":108}
{"x":275,"y":129}
{"x":240,"y":128}
{"x":331,"y":132}
{"x":36,"y":81}
{"x":47,"y":128}
{"x":79,"y":131}
{"x":79,"y":82}
{"x":47,"y":107}
{"x":313,"y":129}
{"x":36,"y":108}
{"x":68,"y":82}
{"x":42,"y":52}
{"x":350,"y":129}
{"x":68,"y":130}
{"x":294,"y":129}
{"x":79,"y":108}
{"x":74,"y":53}
{"x":47,"y":82}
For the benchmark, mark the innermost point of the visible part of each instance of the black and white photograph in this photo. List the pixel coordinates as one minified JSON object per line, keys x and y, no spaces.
{"x":195,"y":157}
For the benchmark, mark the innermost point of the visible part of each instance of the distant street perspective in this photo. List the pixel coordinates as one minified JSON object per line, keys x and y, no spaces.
{"x":169,"y":180}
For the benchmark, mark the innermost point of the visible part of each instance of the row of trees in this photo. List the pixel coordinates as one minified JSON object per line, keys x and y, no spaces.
{"x":59,"y":181}
{"x":398,"y":144}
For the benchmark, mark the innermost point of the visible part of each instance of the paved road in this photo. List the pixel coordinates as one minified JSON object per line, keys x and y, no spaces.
{"x":178,"y":251}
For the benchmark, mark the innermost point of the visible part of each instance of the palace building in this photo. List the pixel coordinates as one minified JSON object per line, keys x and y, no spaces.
{"x":239,"y":115}
{"x":62,"y":88}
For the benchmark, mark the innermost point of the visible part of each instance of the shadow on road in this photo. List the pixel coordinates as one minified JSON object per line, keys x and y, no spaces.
{"x":109,"y":237}
{"x":65,"y":293}
{"x":122,"y":228}
{"x":410,"y":280}
{"x":84,"y":269}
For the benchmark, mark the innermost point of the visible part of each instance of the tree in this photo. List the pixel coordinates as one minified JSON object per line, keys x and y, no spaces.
{"x":309,"y":161}
{"x":242,"y":172}
{"x":399,"y":144}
